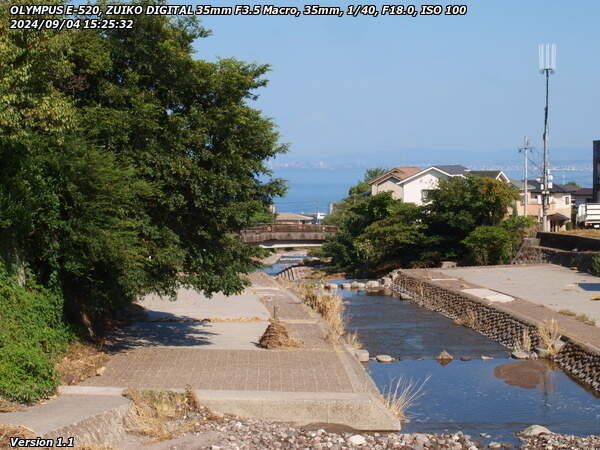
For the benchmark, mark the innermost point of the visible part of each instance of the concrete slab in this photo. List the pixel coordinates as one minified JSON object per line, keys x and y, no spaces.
{"x":488,"y":294}
{"x":63,"y":411}
{"x":555,"y":287}
{"x":213,"y":335}
{"x":194,"y":305}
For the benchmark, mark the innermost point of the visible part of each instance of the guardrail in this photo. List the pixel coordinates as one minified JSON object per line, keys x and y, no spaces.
{"x":287,"y":232}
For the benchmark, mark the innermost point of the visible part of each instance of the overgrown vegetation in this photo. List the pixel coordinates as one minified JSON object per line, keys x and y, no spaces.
{"x":32,"y":336}
{"x":128,"y":165}
{"x":581,"y":317}
{"x":277,"y":336}
{"x":466,"y":220}
{"x":549,"y":335}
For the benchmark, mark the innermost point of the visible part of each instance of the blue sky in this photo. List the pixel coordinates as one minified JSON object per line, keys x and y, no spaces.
{"x":399,"y":90}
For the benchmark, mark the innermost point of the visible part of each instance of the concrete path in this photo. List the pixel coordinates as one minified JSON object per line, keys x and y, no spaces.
{"x":211,"y":345}
{"x":555,"y":287}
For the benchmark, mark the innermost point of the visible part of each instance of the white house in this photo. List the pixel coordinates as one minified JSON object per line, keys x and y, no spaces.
{"x":411,"y":184}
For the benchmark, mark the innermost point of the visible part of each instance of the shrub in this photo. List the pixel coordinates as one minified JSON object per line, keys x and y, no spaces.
{"x":32,"y":334}
{"x":489,"y":245}
{"x":596,"y":265}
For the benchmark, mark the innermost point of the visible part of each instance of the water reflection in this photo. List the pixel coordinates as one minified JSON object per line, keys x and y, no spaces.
{"x":527,"y":375}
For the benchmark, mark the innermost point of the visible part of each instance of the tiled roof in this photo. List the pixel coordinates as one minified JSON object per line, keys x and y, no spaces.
{"x":453,"y":169}
{"x":400,"y":173}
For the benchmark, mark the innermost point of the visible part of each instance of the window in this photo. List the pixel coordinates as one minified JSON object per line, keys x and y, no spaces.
{"x":425,"y":195}
{"x":567,"y":200}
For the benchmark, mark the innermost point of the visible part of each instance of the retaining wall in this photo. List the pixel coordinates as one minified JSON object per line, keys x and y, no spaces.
{"x":497,"y":322}
{"x":545,"y":255}
{"x":568,"y":242}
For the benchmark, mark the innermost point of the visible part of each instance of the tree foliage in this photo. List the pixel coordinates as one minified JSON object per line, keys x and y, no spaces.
{"x":128,"y":165}
{"x":466,"y":220}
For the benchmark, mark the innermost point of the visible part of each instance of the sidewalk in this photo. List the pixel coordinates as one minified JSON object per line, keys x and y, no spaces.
{"x":211,"y":345}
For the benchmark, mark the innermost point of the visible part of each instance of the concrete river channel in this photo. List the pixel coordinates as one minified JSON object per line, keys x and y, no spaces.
{"x":491,"y":397}
{"x":495,"y":397}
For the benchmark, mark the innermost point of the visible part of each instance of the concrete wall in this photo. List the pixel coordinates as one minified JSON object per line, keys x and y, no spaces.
{"x":414,"y":188}
{"x":568,"y":242}
{"x":497,"y":322}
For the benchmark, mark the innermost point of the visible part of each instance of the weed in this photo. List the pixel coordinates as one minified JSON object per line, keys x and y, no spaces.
{"x":402,"y":395}
{"x":468,"y":319}
{"x":353,"y":341}
{"x":161,"y":415}
{"x":581,"y":317}
{"x":329,"y":306}
{"x":549,"y":336}
{"x":523,"y":344}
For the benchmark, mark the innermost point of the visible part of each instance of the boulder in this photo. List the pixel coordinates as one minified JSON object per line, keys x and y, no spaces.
{"x":534,"y":430}
{"x":347,"y":286}
{"x":486,"y":358}
{"x":362,"y":355}
{"x":356,"y":440}
{"x":448,"y":264}
{"x":445,"y":356}
{"x":384,"y":358}
{"x":331,"y":286}
{"x":373,"y":284}
{"x":358,"y":285}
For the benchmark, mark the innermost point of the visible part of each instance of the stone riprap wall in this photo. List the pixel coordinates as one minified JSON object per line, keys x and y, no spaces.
{"x":529,"y":254}
{"x":496,"y":322}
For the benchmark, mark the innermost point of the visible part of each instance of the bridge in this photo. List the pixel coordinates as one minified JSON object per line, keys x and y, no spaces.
{"x":277,"y":235}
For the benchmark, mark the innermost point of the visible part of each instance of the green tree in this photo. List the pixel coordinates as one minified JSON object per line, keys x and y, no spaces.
{"x":489,"y":245}
{"x":460,"y":205}
{"x":363,"y":187}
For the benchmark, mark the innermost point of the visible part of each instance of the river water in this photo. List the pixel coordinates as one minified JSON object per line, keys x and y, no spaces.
{"x":498,"y":397}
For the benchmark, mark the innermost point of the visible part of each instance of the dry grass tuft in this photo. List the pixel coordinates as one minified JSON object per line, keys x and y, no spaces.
{"x":403,"y":395}
{"x":524,"y":344}
{"x":277,"y":336}
{"x":162,"y":415}
{"x":549,"y":336}
{"x":81,"y":361}
{"x":18,"y":431}
{"x":468,"y":319}
{"x":10,"y":406}
{"x":581,"y":317}
{"x":353,"y":341}
{"x":329,"y":306}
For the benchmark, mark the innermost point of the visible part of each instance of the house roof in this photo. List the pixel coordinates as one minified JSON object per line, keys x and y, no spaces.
{"x":583,"y":192}
{"x":452,"y":169}
{"x":400,"y":173}
{"x":534,"y":186}
{"x":290,"y":216}
{"x":487,"y":173}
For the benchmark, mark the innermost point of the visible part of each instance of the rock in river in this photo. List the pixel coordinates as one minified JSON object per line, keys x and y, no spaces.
{"x":384,"y":358}
{"x":535,"y":430}
{"x":445,"y":356}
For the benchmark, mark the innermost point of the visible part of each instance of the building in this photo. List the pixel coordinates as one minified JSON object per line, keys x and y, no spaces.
{"x":412,"y":184}
{"x":559,"y":210}
{"x":292,"y":218}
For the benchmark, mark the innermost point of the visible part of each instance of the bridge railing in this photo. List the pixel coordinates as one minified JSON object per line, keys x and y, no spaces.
{"x":291,"y":228}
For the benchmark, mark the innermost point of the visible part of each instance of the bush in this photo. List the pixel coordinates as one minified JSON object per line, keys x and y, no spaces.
{"x":489,"y":245}
{"x":32,"y":335}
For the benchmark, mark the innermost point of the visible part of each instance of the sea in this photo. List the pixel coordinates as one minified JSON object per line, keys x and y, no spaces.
{"x":312,"y":190}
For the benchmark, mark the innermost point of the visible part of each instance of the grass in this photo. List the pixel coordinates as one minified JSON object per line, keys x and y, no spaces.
{"x":402,"y":395}
{"x":81,"y":361}
{"x":329,"y":306}
{"x":18,"y":431}
{"x":162,"y":415}
{"x":353,"y":341}
{"x":581,"y":317}
{"x":277,"y":336}
{"x":549,"y":336}
{"x":524,"y":344}
{"x":593,"y":233}
{"x":468,"y":319}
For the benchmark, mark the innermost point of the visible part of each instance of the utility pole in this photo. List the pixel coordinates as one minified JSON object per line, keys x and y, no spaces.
{"x":525,"y":149}
{"x":547,"y":60}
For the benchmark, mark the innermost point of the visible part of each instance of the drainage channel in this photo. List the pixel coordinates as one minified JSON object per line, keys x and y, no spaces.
{"x":490,"y":398}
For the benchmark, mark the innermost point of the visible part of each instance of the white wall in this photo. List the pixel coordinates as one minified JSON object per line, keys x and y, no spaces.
{"x":423,"y":181}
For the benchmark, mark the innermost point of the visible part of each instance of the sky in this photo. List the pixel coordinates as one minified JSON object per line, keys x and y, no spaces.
{"x":417,"y":90}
